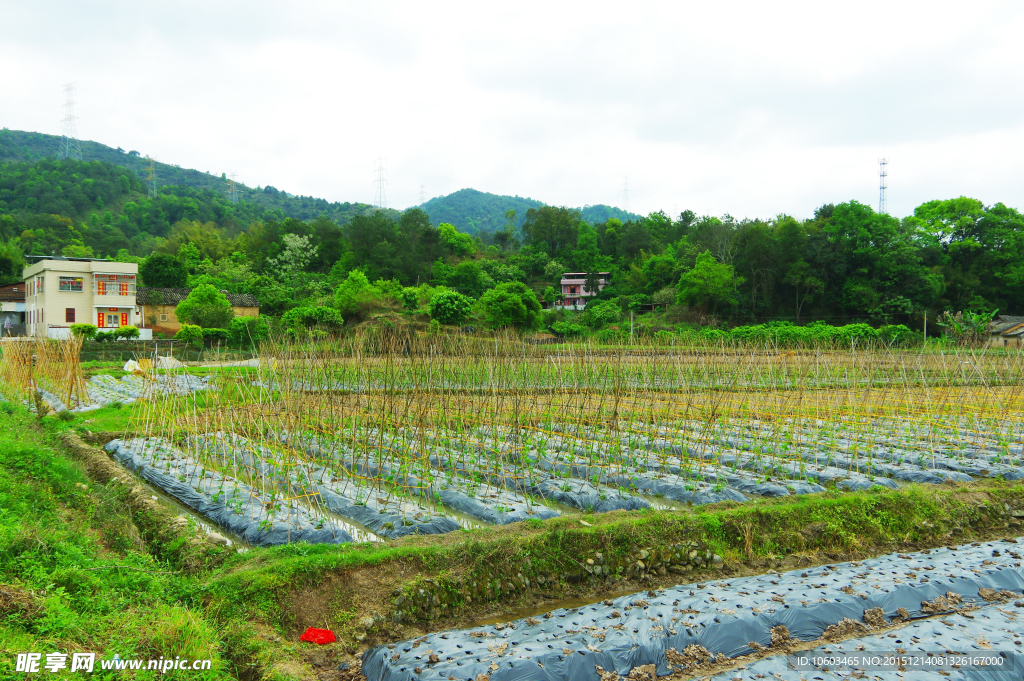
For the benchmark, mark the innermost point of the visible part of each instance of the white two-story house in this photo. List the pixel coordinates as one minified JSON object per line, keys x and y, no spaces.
{"x":60,"y":292}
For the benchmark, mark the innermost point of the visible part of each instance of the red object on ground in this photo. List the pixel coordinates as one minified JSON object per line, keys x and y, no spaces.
{"x":318,"y":636}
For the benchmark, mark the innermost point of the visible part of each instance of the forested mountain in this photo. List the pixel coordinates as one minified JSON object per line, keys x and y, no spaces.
{"x":16,"y":145}
{"x":481,"y":214}
{"x":847,"y":263}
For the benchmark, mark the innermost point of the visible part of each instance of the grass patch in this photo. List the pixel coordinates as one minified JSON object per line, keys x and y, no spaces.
{"x":79,"y":573}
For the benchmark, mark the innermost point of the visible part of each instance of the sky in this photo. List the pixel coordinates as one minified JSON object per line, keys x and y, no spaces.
{"x":748,"y":108}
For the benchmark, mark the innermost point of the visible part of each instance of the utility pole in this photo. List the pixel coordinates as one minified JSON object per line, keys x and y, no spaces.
{"x":380,"y":179}
{"x":883,"y":174}
{"x":69,"y":146}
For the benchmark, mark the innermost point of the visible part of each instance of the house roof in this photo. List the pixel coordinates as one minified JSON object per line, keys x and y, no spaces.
{"x":147,"y":295}
{"x":1004,"y":323}
{"x":13,"y":292}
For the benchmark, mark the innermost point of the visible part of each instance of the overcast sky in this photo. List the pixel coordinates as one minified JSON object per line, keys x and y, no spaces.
{"x":752,"y":108}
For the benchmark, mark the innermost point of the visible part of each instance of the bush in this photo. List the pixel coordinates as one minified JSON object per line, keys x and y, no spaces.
{"x":511,"y":304}
{"x":602,"y":313}
{"x":104,"y":336}
{"x":300,"y":318}
{"x":355,"y":298}
{"x":664,"y":337}
{"x":190,"y":333}
{"x":410,"y":298}
{"x":215,"y":336}
{"x":207,"y":307}
{"x":786,"y":334}
{"x":84,"y":331}
{"x":450,"y":307}
{"x":611,"y":336}
{"x":898,"y":335}
{"x":569,"y":330}
{"x":126,"y":332}
{"x":855,"y":333}
{"x":246,"y":330}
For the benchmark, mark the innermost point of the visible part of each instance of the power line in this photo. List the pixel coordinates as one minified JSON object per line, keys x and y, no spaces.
{"x":380,"y":180}
{"x":883,"y":184}
{"x":69,"y":146}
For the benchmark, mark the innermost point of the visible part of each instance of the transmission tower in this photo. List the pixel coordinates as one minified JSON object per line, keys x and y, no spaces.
{"x":423,"y":194}
{"x":882,"y":184}
{"x":232,"y":191}
{"x":625,"y":194}
{"x":380,"y":180}
{"x":151,"y":179}
{"x":69,"y":147}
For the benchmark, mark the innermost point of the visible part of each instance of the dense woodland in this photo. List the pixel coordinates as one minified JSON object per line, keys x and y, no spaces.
{"x":846,"y":264}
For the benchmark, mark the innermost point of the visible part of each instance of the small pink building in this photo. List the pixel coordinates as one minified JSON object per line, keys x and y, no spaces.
{"x":573,"y":284}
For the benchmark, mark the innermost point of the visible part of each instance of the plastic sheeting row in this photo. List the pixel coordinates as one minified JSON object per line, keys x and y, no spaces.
{"x":725,"y":618}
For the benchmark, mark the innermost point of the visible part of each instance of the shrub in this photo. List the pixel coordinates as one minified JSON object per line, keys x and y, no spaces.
{"x":664,"y":337}
{"x":637,"y":302}
{"x":450,"y":307}
{"x":84,"y":331}
{"x":410,"y":298}
{"x":855,"y":333}
{"x":190,"y":333}
{"x":299,"y":318}
{"x":569,"y":330}
{"x":602,"y":313}
{"x":104,"y":336}
{"x":214,"y":336}
{"x":205,"y":306}
{"x":126,"y":332}
{"x":246,"y":330}
{"x":355,"y":298}
{"x":511,"y":304}
{"x":897,"y":335}
{"x":610,"y":336}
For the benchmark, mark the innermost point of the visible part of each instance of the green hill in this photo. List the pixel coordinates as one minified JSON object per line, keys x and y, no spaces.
{"x":18,"y":146}
{"x":481,"y":213}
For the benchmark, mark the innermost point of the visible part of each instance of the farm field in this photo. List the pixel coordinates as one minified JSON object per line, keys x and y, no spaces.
{"x":391,"y":489}
{"x":378,"y":438}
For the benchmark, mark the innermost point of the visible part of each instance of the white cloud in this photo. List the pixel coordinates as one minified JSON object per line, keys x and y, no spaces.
{"x":750,"y":108}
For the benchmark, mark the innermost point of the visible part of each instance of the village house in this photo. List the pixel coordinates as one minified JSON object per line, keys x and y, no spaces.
{"x":574,"y":294}
{"x":12,"y":309}
{"x":1006,"y":331}
{"x":61,"y":291}
{"x":157,"y":306}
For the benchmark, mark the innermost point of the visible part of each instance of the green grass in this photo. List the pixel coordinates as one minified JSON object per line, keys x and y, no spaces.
{"x":73,"y":558}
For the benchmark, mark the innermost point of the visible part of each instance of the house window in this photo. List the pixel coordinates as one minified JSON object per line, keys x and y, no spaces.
{"x":163,"y":318}
{"x":69,"y":315}
{"x":124,"y":288}
{"x":39,"y":285}
{"x":101,"y":288}
{"x":71,"y":284}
